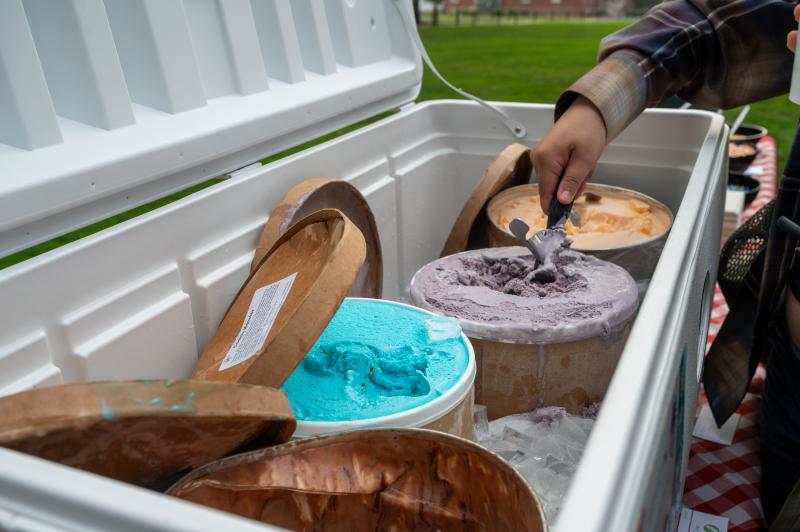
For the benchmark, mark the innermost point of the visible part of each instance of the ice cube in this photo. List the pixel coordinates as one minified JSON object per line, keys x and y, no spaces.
{"x":549,"y":510}
{"x":481,"y":423}
{"x":550,"y":460}
{"x":585,"y":424}
{"x":442,"y":328}
{"x":502,"y":448}
{"x":518,"y":459}
{"x":544,"y":481}
{"x":565,"y":469}
{"x":549,"y":446}
{"x":551,"y":489}
{"x":573,"y":455}
{"x":520,"y":422}
{"x":519,"y":440}
{"x":568,"y":428}
{"x":527,"y":467}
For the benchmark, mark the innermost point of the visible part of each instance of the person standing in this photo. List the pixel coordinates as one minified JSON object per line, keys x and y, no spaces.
{"x":721,"y":54}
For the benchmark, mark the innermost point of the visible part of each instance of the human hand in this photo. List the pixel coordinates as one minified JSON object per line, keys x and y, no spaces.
{"x":791,"y":39}
{"x":571,"y":148}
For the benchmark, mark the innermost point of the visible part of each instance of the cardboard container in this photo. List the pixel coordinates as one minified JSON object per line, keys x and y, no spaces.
{"x":512,"y":167}
{"x":521,"y":367}
{"x":286,"y":302}
{"x":639,"y":258}
{"x":313,"y":195}
{"x":518,"y":378}
{"x":142,"y":431}
{"x":370,"y":480}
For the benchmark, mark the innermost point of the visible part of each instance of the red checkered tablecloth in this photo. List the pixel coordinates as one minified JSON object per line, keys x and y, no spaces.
{"x":725,"y":479}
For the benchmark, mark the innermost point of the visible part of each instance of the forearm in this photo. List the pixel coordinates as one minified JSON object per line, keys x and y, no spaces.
{"x":617,"y":89}
{"x":719,"y":53}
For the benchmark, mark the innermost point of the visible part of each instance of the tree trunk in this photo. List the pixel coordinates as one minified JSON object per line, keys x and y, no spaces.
{"x":435,"y":14}
{"x":415,"y":3}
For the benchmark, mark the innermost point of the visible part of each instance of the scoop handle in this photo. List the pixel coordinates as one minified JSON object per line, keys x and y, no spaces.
{"x":557,"y":213}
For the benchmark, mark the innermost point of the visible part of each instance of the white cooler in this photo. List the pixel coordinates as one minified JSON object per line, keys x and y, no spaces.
{"x":105,"y":105}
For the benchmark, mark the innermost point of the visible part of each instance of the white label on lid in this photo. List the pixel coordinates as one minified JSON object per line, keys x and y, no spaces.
{"x":264,"y":307}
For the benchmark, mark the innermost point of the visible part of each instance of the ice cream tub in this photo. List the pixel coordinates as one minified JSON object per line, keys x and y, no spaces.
{"x":382,"y":364}
{"x":616,"y":224}
{"x":542,"y":336}
{"x":385,"y":479}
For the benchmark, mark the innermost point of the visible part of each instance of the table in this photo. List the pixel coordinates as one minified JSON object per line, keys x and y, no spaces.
{"x":725,"y":479}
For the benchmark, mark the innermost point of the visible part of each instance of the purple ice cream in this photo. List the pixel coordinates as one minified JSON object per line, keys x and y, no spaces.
{"x":498,"y":295}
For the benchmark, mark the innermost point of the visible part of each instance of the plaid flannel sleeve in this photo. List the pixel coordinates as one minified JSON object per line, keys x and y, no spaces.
{"x":717,"y":53}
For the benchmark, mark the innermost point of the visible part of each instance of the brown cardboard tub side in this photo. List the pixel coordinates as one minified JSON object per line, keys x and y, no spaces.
{"x":389,"y":479}
{"x":512,"y":167}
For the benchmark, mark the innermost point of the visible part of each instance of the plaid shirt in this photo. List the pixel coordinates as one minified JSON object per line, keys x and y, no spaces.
{"x":716,"y":53}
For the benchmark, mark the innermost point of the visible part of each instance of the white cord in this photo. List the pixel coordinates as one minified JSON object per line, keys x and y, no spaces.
{"x":516,"y":128}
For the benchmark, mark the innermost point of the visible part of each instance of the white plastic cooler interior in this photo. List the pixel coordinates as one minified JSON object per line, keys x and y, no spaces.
{"x":142,"y":299}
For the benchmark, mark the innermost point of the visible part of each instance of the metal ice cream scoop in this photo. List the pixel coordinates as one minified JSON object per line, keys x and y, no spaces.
{"x":520,"y":230}
{"x":558,"y":213}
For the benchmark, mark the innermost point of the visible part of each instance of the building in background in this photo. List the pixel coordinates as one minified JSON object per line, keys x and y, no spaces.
{"x":459,"y":5}
{"x":558,"y":8}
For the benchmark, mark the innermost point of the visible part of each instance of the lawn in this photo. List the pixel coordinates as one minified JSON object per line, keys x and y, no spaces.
{"x":531,"y":62}
{"x":534,"y":63}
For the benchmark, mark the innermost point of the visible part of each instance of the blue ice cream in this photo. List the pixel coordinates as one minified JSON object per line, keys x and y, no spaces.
{"x":376,"y":358}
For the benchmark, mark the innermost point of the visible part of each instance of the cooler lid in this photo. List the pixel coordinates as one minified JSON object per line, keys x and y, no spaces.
{"x":109,"y":104}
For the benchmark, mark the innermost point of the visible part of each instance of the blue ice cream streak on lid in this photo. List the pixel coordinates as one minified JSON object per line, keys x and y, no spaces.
{"x":376,"y":358}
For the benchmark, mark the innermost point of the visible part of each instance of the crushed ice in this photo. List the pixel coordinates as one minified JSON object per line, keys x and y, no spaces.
{"x":545,"y":446}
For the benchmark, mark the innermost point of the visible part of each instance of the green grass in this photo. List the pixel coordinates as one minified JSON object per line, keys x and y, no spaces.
{"x":522,"y":64}
{"x":525,"y":63}
{"x":485,"y":19}
{"x":72,"y":236}
{"x":535,"y":63}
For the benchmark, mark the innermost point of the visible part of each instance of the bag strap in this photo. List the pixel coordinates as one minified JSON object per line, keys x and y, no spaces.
{"x":743,"y":339}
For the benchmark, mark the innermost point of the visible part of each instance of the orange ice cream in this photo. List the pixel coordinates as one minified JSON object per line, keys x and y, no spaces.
{"x":610,"y":217}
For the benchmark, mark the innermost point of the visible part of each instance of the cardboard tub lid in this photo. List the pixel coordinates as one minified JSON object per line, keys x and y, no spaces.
{"x":286,"y":302}
{"x":316,"y":194}
{"x":142,"y":431}
{"x":511,"y":168}
{"x":384,"y":479}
